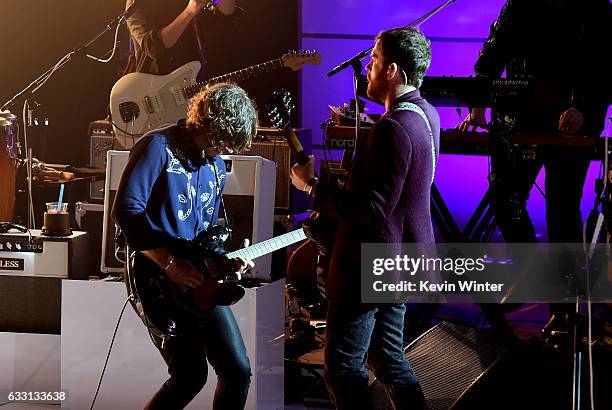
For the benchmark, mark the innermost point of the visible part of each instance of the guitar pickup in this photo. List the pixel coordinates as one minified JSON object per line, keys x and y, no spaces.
{"x":179,"y":97}
{"x":153,"y":104}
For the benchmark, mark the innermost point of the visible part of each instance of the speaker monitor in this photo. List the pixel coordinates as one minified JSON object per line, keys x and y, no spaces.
{"x":460,"y":368}
{"x":248,"y":197}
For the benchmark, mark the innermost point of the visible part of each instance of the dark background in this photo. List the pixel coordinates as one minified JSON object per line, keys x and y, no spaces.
{"x":35,"y":34}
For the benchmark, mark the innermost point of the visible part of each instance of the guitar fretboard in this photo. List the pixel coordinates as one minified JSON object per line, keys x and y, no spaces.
{"x":270,"y":245}
{"x":240,"y":75}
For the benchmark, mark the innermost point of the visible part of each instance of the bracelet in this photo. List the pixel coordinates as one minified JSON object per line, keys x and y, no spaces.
{"x":310,"y":184}
{"x":170,"y":262}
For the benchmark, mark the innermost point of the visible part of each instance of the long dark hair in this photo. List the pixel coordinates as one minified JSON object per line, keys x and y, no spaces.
{"x":184,"y":149}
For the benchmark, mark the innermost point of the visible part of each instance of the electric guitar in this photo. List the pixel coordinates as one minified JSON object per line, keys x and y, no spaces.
{"x":319,"y":229}
{"x":161,"y":304}
{"x":309,"y":262}
{"x":142,"y":102}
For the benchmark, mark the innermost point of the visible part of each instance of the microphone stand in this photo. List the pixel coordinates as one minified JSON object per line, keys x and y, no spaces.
{"x":355,"y":62}
{"x":604,"y":221}
{"x":79,"y":51}
{"x":40,"y":81}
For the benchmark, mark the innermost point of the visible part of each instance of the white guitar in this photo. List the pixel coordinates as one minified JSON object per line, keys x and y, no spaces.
{"x":143,"y":102}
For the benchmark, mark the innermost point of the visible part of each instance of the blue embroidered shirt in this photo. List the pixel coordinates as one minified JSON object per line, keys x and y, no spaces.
{"x":160,"y":198}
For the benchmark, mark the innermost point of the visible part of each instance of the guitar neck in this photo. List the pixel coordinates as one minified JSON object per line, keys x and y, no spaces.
{"x":240,"y":75}
{"x":270,"y":245}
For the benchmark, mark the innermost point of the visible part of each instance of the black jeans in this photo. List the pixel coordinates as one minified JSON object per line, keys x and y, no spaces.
{"x":354,"y":330}
{"x":221,"y":343}
{"x":511,"y":182}
{"x":564,"y":182}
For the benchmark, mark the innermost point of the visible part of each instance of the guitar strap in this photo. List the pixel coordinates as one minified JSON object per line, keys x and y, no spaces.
{"x":408,"y":106}
{"x":219,"y":197}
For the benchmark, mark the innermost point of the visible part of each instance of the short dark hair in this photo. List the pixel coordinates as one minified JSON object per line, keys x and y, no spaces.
{"x":409,"y":49}
{"x":224,"y":112}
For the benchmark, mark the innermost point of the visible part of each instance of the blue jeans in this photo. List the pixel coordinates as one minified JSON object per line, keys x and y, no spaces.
{"x":357,"y":330}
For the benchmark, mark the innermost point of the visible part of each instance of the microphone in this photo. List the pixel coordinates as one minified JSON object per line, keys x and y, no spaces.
{"x":210,"y":5}
{"x":225,"y":7}
{"x":130,"y":10}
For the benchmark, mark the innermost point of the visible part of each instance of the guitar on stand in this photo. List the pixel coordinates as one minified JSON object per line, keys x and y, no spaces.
{"x":142,"y":102}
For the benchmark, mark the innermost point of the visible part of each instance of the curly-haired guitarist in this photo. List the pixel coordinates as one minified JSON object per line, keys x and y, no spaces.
{"x":171,"y":189}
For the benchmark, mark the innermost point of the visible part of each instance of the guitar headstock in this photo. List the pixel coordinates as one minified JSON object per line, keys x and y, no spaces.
{"x":279,"y":109}
{"x":298,"y":58}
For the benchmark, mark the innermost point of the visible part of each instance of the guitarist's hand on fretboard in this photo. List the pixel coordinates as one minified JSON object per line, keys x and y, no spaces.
{"x":234,"y":268}
{"x":184,"y":274}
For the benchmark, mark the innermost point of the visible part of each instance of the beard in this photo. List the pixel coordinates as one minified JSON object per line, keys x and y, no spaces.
{"x":377,"y":90}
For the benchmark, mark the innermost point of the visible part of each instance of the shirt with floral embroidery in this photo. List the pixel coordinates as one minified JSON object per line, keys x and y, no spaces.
{"x":160,"y":198}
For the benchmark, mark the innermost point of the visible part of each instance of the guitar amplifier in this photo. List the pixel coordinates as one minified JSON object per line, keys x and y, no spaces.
{"x":89,"y":218}
{"x":248,"y":197}
{"x":271,"y":144}
{"x":101,"y":140}
{"x":37,"y":255}
{"x":116,"y":161}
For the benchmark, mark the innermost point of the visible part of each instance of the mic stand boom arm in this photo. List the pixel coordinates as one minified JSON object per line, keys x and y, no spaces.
{"x":365,"y":53}
{"x":80,"y":50}
{"x":355,"y":62}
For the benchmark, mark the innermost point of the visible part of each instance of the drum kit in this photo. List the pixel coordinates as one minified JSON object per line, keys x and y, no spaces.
{"x":9,"y":158}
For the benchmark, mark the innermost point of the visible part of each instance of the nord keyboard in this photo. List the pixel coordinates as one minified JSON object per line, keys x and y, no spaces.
{"x":475,"y":92}
{"x":528,"y":145}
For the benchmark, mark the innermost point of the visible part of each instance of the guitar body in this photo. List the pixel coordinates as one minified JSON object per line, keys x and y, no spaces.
{"x":168,"y":308}
{"x":321,"y":231}
{"x":141,"y":102}
{"x":302,"y":265}
{"x":164,"y":306}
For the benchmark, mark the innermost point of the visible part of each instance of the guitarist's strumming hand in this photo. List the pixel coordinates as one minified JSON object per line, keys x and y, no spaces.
{"x":183,"y":273}
{"x":303,"y":176}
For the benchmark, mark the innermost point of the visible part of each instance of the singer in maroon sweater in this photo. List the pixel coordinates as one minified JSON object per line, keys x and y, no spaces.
{"x":386,"y":199}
